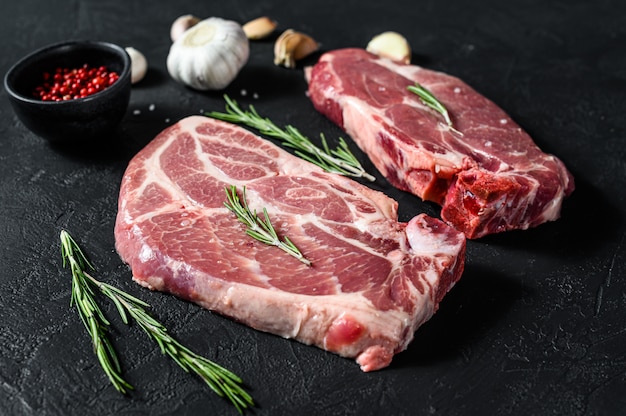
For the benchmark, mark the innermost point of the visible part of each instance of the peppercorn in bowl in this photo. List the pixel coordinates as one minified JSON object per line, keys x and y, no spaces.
{"x":77,"y":90}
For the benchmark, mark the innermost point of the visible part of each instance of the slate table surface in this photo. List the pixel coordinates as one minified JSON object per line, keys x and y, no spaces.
{"x":536,"y":326}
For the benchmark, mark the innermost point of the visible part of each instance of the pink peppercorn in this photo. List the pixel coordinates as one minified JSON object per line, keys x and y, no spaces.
{"x":72,"y":83}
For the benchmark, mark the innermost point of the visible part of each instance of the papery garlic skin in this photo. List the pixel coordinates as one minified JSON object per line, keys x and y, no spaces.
{"x":209,"y":55}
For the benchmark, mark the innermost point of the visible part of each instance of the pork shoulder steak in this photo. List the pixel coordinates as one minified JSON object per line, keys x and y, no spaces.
{"x":372,"y":282}
{"x":490,"y":177}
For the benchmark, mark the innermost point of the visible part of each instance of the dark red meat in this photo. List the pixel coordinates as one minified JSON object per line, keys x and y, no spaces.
{"x":489,"y":178}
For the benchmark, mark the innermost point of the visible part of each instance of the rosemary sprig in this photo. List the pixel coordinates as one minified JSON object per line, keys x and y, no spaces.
{"x":339,"y":160}
{"x":94,"y":320}
{"x":258,"y":228}
{"x":222,"y":381}
{"x":430,"y":101}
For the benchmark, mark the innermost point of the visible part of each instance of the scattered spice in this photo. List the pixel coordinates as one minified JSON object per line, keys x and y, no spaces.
{"x":72,"y":83}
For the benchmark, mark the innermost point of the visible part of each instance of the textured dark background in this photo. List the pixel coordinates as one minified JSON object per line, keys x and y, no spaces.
{"x":537,"y":324}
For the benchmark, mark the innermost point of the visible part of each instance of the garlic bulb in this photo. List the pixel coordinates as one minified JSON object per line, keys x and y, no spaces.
{"x":209,"y":55}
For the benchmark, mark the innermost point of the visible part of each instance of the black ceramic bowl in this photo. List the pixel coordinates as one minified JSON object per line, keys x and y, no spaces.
{"x":92,"y":117}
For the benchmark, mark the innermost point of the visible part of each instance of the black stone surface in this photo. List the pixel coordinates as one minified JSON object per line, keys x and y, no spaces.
{"x":536,"y":326}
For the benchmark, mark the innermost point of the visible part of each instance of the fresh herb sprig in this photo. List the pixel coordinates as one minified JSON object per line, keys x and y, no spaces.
{"x":258,"y":228}
{"x":428,"y":99}
{"x":222,"y":381}
{"x":339,"y":160}
{"x":90,"y":313}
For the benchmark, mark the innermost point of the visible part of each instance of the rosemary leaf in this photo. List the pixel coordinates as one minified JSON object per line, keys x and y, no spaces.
{"x":428,"y":99}
{"x":259,"y":228}
{"x":222,"y":381}
{"x":339,"y":160}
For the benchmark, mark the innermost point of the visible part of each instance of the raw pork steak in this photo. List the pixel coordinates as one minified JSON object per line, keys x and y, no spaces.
{"x":372,"y":282}
{"x":489,"y":178}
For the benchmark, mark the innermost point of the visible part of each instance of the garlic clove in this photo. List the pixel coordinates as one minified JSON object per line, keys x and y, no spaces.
{"x":284,"y":47}
{"x":292,"y":46}
{"x":181,"y":25}
{"x":259,"y":28}
{"x":139,"y":65}
{"x":390,"y":45}
{"x":305,"y":47}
